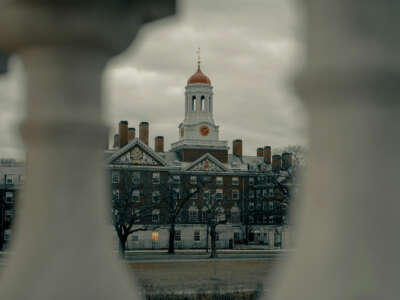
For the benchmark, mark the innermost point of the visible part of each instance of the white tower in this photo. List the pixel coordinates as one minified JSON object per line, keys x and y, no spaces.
{"x":198,"y":130}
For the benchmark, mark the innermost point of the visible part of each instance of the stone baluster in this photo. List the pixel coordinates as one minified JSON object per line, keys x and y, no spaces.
{"x":348,"y":240}
{"x":62,"y":246}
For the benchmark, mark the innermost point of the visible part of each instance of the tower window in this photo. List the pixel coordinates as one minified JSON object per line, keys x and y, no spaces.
{"x":194,"y":103}
{"x":203,"y":103}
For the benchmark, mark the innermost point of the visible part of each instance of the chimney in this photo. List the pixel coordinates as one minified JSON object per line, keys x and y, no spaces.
{"x":123,"y":133}
{"x":116,"y":140}
{"x":144,"y":132}
{"x":237,"y":147}
{"x":159,"y":144}
{"x":267,"y":154}
{"x":286,"y":160}
{"x":260,"y":152}
{"x":131,"y":134}
{"x":276,"y":163}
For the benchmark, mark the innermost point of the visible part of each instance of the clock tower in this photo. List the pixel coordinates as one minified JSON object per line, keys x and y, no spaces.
{"x":198,"y":132}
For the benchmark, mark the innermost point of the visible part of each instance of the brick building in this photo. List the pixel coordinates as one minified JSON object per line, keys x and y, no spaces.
{"x":11,"y":179}
{"x":248,"y":191}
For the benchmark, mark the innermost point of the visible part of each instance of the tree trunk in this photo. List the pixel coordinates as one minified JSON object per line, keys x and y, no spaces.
{"x":208,"y":230}
{"x":171,"y":244}
{"x":213,"y":235}
{"x":122,"y":245}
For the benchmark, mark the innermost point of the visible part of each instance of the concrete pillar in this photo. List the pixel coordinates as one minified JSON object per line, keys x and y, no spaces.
{"x":61,"y":249}
{"x":348,"y":242}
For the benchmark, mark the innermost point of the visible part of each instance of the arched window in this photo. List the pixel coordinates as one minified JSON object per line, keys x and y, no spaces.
{"x":194,"y":103}
{"x":203,"y":103}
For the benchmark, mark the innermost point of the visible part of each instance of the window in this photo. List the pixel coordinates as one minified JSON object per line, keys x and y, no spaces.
{"x":177,"y":179}
{"x":194,"y":103}
{"x":193,"y":179}
{"x":206,"y":195}
{"x":137,"y":216}
{"x":235,"y":216}
{"x":277,"y":239}
{"x":203,"y":103}
{"x":115,"y":194}
{"x":156,"y":178}
{"x":197,"y":235}
{"x":251,"y":194}
{"x":177,"y":193}
{"x":193,"y":215}
{"x":265,"y":220}
{"x":219,"y":180}
{"x":251,"y":205}
{"x":156,"y":216}
{"x":21,"y":179}
{"x":9,"y":179}
{"x":251,"y":219}
{"x":154,"y":236}
{"x":235,"y":180}
{"x":219,"y":194}
{"x":204,"y":216}
{"x":251,"y":180}
{"x":258,"y":194}
{"x":178,"y":235}
{"x":156,"y":196}
{"x":135,"y":238}
{"x":271,"y":205}
{"x":193,"y":192}
{"x":115,"y":177}
{"x":235,"y":195}
{"x":9,"y":197}
{"x":136,"y":196}
{"x":136,"y":178}
{"x":261,"y":179}
{"x":217,"y":236}
{"x":266,"y":238}
{"x":236,"y":236}
{"x":271,"y":192}
{"x":264,"y":193}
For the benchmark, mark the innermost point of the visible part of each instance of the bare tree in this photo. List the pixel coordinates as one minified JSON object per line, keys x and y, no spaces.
{"x":179,"y":195}
{"x":127,"y":211}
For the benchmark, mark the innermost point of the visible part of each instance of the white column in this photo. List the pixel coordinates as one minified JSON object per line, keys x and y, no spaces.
{"x":62,"y":248}
{"x":348,"y":242}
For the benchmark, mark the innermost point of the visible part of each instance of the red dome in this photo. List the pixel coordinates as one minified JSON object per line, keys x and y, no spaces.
{"x":199,"y":77}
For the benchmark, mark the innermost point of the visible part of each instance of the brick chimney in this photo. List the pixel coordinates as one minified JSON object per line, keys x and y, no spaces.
{"x":123,"y":133}
{"x":116,"y":140}
{"x":159,"y":144}
{"x":260,"y":152}
{"x":267,"y":154}
{"x":131,"y":134}
{"x":144,"y":132}
{"x":237,"y":148}
{"x":276,"y":163}
{"x":286,"y":160}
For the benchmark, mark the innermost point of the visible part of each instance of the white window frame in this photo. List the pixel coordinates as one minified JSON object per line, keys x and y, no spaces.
{"x":194,"y":196}
{"x":193,"y":179}
{"x":219,"y":194}
{"x":155,"y":217}
{"x":235,"y":180}
{"x":154,"y":196}
{"x":136,"y":194}
{"x":197,"y":236}
{"x":251,"y":194}
{"x":9,"y":198}
{"x":251,"y":180}
{"x":177,"y":179}
{"x":235,"y":195}
{"x":115,"y":176}
{"x":9,"y":179}
{"x":115,"y":194}
{"x":219,"y":180}
{"x":136,"y":177}
{"x":206,"y":195}
{"x":156,"y":178}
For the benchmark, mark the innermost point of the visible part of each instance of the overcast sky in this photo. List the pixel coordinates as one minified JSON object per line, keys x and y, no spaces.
{"x":250,"y":49}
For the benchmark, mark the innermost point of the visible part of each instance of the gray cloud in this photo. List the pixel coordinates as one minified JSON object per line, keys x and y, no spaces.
{"x":250,"y":50}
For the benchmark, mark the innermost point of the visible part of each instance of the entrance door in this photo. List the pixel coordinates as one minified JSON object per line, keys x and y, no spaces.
{"x":155,"y":241}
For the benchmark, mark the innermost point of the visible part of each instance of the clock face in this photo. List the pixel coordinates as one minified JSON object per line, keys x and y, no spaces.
{"x":204,"y":130}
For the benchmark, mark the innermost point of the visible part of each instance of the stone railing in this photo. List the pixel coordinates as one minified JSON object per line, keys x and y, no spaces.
{"x":348,"y":241}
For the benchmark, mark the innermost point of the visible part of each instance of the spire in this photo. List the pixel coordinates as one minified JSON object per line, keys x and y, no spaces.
{"x":198,"y":58}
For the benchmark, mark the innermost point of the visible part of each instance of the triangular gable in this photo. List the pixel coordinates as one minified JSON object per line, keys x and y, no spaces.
{"x":137,"y":153}
{"x":207,"y":163}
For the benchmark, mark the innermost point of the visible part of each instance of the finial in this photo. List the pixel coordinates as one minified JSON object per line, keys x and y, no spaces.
{"x":198,"y":57}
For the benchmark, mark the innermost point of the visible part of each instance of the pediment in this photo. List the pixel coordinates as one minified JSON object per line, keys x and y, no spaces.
{"x":137,"y":153}
{"x":207,"y":163}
